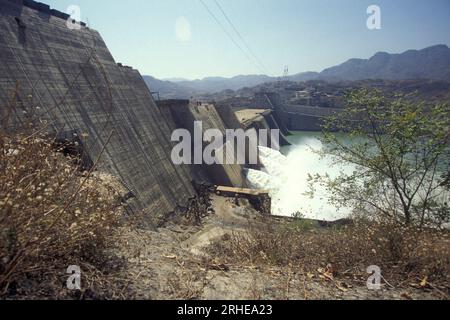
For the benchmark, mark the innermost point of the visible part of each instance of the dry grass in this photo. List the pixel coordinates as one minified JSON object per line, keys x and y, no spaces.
{"x":51,"y":216}
{"x":187,"y":284}
{"x":404,"y":254}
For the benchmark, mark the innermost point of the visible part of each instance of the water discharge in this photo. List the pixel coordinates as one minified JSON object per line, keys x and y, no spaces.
{"x":285,"y":175}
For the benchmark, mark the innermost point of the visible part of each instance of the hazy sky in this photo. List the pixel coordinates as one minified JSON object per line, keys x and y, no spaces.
{"x":180,"y":38}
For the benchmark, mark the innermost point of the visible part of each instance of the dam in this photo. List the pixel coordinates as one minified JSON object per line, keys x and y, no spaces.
{"x":294,"y":117}
{"x":69,"y":81}
{"x":73,"y":83}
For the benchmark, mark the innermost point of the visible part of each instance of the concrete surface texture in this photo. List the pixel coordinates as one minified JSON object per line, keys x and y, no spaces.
{"x":183,"y":114}
{"x":69,"y":80}
{"x":66,"y":79}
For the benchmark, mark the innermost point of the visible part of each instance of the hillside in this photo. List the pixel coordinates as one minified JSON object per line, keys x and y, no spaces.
{"x":429,"y":63}
{"x":432,"y":63}
{"x":168,"y":89}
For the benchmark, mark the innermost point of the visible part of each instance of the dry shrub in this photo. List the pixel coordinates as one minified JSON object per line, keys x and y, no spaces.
{"x":51,"y":214}
{"x":403,"y":253}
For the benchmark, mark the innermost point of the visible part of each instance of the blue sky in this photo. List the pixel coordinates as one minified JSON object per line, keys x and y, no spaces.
{"x":179,"y":38}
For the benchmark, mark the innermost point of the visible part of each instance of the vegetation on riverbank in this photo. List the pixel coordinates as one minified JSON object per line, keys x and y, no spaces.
{"x":400,"y":152}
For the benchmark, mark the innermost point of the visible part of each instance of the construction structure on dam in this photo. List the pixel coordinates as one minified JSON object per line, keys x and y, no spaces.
{"x":76,"y":90}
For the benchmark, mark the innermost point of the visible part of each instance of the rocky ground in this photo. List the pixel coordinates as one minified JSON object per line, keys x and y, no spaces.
{"x":172,"y":264}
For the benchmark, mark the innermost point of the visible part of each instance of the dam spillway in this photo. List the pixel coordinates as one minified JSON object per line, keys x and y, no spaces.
{"x":183,"y":114}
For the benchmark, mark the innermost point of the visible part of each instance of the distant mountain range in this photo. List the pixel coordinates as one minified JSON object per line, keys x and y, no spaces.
{"x":168,"y":89}
{"x":187,"y":88}
{"x":429,"y":63}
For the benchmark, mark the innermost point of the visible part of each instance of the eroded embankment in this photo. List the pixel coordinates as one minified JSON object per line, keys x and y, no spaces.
{"x":182,"y":261}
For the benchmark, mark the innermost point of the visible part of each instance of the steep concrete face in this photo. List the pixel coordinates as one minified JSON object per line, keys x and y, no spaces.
{"x":183,"y":114}
{"x":70,"y":80}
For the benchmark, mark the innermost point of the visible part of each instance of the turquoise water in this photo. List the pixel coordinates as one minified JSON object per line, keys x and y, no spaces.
{"x":301,"y":160}
{"x":299,"y":138}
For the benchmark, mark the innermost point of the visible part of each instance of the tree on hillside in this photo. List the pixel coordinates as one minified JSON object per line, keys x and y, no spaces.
{"x":400,"y":151}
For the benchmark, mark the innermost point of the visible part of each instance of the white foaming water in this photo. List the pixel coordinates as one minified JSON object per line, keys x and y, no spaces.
{"x":274,"y":163}
{"x":287,"y":179}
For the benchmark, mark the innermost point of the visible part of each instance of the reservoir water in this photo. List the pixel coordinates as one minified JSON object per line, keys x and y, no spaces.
{"x":286,"y":176}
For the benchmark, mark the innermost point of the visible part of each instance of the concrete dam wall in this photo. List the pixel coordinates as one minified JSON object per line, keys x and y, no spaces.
{"x":183,"y":114}
{"x":293,"y":117}
{"x":304,"y":118}
{"x":70,"y":80}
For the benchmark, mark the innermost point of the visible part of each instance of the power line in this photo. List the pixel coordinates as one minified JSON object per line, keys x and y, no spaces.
{"x":228,"y":34}
{"x":240,"y":36}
